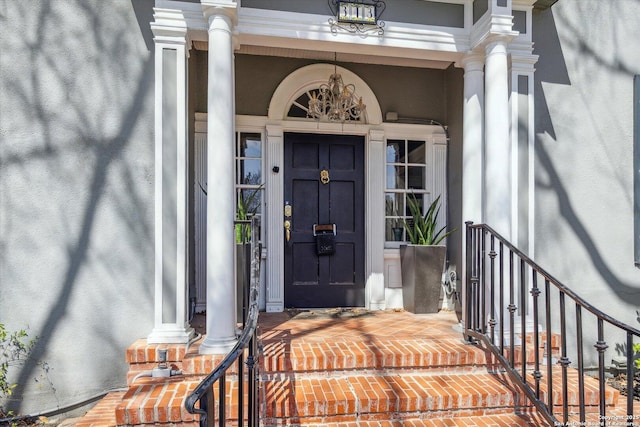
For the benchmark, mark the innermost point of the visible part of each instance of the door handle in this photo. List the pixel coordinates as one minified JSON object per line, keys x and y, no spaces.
{"x":287,"y":230}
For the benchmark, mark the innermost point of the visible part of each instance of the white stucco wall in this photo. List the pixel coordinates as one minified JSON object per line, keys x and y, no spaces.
{"x":584,"y":151}
{"x":76,"y":191}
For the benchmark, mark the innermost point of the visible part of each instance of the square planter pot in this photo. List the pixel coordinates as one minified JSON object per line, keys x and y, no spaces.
{"x":422,"y":268}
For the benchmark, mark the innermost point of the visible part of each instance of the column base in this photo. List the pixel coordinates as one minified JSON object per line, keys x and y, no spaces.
{"x":275,"y":307}
{"x":377,"y":306}
{"x":217,"y":345}
{"x":170,"y":334}
{"x":375,"y":292}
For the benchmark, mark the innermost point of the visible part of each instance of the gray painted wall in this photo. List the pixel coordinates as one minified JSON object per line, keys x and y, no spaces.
{"x":76,"y":191}
{"x":584,"y":150}
{"x":411,"y":92}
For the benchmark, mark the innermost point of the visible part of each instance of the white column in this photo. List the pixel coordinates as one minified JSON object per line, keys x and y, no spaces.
{"x":374,"y":285}
{"x":221,"y":288}
{"x":497,"y":178}
{"x":522,"y":153}
{"x":171,"y":165}
{"x":472,"y":151}
{"x":275,"y":206}
{"x":472,"y":138}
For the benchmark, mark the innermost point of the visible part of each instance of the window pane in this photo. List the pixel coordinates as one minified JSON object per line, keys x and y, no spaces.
{"x":395,"y":151}
{"x":250,"y":145}
{"x":297,"y":112}
{"x":416,"y":152}
{"x":416,"y":177}
{"x":419,"y":200}
{"x":250,"y":172}
{"x":393,"y":230}
{"x":248,"y":202}
{"x":394,"y":204}
{"x":395,"y":177}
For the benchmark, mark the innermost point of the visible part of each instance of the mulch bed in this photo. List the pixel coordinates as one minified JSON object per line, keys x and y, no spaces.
{"x":619,"y":382}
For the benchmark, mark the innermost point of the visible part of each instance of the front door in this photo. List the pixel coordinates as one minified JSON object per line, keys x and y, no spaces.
{"x":324,"y":186}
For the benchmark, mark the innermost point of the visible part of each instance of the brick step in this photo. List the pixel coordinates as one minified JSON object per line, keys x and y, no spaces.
{"x":388,"y":394}
{"x":155,"y":402}
{"x":103,"y":414}
{"x":345,"y":354}
{"x":381,"y":395}
{"x":477,"y":420}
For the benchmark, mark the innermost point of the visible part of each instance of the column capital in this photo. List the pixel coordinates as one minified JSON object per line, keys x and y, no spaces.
{"x":376,"y":135}
{"x":227,"y":8}
{"x":499,"y":29}
{"x":169,"y":26}
{"x":274,"y":131}
{"x":472,"y":61}
{"x":523,"y":63}
{"x":496,"y":43}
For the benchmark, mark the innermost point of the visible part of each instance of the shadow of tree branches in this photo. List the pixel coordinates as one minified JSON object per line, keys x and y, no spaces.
{"x":596,"y":50}
{"x":81,"y":87}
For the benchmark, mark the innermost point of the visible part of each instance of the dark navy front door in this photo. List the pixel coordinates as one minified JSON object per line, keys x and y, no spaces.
{"x":324,"y":185}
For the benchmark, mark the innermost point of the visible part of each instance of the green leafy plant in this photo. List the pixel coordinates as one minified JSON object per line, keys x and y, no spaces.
{"x":15,"y":349}
{"x":636,"y":356}
{"x":423,"y":229}
{"x":246,"y":208}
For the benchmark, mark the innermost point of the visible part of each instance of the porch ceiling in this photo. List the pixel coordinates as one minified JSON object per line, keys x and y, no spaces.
{"x":329,"y":56}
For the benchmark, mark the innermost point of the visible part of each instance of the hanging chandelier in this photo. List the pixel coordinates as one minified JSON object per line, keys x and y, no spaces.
{"x":335,"y":102}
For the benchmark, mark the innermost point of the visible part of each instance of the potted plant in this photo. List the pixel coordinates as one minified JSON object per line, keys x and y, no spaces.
{"x":423,"y":260}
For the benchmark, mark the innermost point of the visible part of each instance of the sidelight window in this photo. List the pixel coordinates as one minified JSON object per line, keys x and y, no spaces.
{"x":406,"y":173}
{"x":248,"y":174}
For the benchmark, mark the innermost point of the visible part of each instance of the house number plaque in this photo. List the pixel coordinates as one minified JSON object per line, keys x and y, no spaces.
{"x":356,"y":12}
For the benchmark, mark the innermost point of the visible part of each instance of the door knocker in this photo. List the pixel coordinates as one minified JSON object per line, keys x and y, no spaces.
{"x":324,"y":176}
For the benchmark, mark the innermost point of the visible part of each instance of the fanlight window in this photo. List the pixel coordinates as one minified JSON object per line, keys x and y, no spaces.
{"x":334,"y":102}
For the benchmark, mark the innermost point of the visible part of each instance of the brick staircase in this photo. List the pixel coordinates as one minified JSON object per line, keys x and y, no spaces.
{"x":344,"y":368}
{"x":382,"y":369}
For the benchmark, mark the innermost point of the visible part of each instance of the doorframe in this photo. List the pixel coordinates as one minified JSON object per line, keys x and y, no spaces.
{"x":373,"y":139}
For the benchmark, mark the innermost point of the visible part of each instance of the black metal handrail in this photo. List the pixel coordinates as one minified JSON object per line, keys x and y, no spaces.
{"x":502,"y":294}
{"x":203,"y":394}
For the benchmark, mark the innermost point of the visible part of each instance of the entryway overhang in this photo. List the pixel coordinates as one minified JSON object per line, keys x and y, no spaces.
{"x":491,"y":106}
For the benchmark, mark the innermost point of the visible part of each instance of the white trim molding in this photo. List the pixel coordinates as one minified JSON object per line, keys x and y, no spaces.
{"x":311,"y":77}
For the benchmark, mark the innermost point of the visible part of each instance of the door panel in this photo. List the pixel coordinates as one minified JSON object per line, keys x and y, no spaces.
{"x":305,"y":213}
{"x":345,"y":252}
{"x":335,"y":280}
{"x":342,"y":157}
{"x":342,"y":194}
